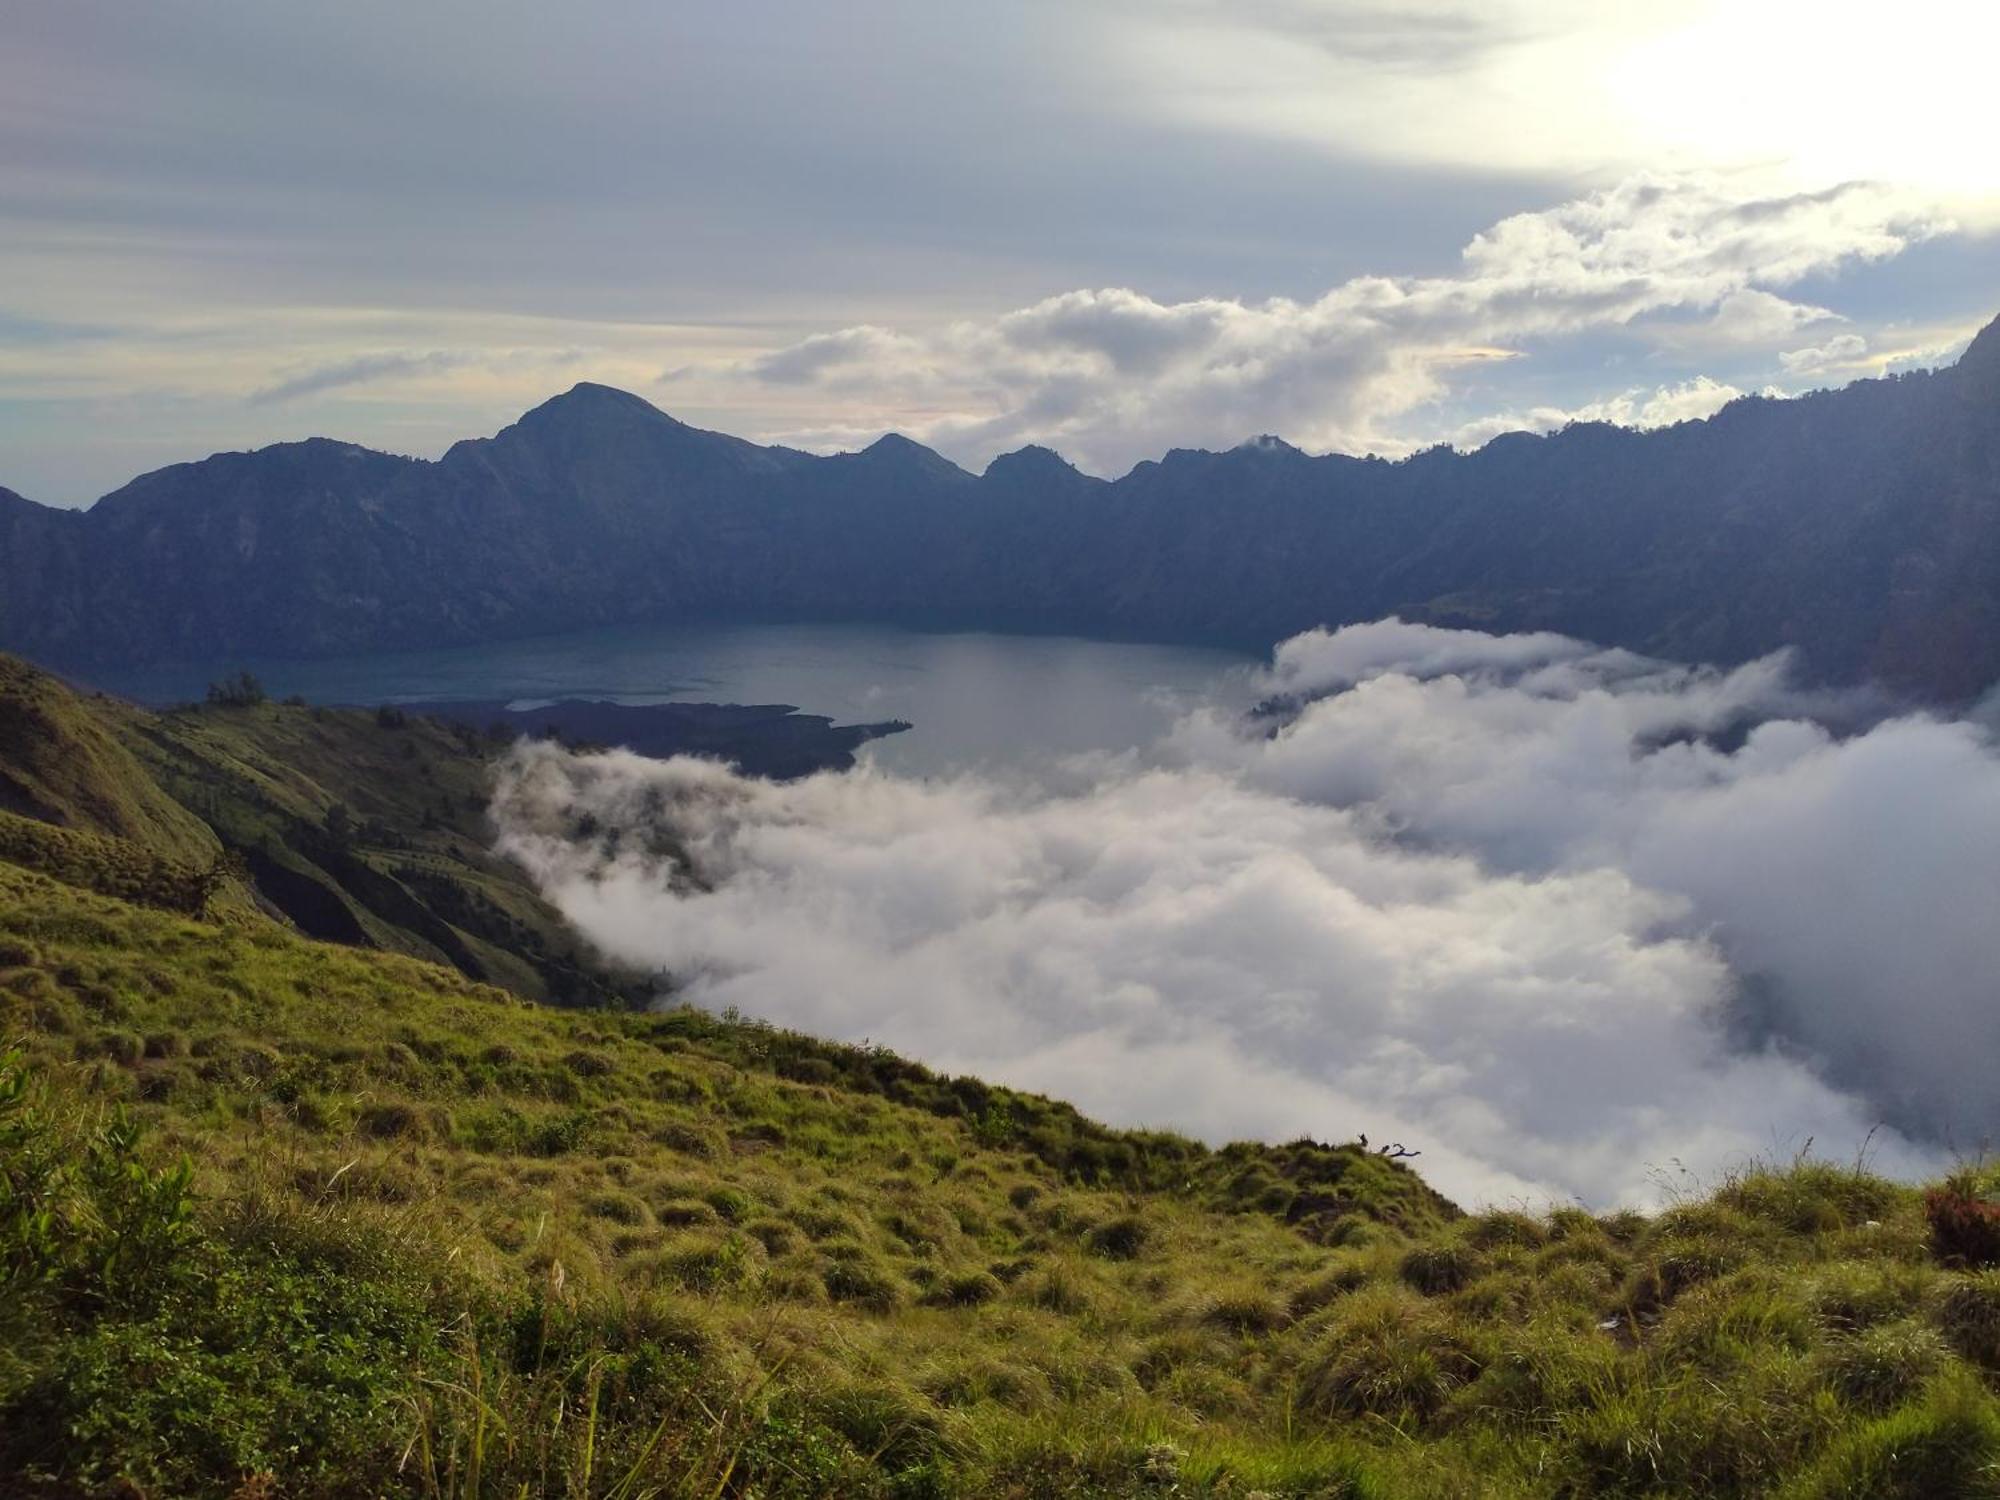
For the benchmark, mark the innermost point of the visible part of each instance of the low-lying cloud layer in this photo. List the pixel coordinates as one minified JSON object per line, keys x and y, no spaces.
{"x":1556,"y":915}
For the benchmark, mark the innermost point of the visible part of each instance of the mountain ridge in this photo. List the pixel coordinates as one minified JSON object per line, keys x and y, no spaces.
{"x":1859,"y":526}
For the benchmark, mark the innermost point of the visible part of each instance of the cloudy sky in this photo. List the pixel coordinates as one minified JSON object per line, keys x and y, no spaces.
{"x":1108,"y":225}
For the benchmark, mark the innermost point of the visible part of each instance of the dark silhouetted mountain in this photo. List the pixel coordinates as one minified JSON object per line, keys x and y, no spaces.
{"x":1861,"y":526}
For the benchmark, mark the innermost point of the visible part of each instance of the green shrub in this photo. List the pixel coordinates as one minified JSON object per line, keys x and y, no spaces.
{"x":396,"y":1121}
{"x":1388,"y":1354}
{"x":852,"y":1275}
{"x":685,"y":1213}
{"x":965,"y":1289}
{"x":618,"y":1208}
{"x":1969,"y":1314}
{"x":1945,"y":1444}
{"x":1122,"y":1238}
{"x":1244,"y":1308}
{"x":1810,"y":1197}
{"x":1493,"y":1230}
{"x":1348,"y":1274}
{"x":890,"y":1424}
{"x":1439,"y":1268}
{"x":1884,"y":1364}
{"x":1061,"y":1288}
{"x":120,"y":1046}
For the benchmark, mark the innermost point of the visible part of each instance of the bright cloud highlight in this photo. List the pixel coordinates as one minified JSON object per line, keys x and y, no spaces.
{"x":1557,"y":915}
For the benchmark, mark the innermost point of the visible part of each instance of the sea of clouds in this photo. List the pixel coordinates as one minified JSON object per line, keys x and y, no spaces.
{"x":1568,"y":920}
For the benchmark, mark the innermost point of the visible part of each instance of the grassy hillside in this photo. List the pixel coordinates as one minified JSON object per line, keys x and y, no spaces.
{"x":61,"y":764}
{"x":282,"y":1217}
{"x":354,"y":826}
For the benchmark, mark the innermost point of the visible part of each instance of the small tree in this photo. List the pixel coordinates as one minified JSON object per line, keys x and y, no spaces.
{"x":240,"y":691}
{"x":339,"y":824}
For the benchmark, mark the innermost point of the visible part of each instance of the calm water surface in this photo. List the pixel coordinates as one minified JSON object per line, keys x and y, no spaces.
{"x":976,"y":699}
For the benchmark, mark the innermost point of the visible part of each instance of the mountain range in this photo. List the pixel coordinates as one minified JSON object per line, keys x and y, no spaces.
{"x":1860,"y":526}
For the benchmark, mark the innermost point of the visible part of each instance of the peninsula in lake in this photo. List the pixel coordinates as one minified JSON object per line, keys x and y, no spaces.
{"x":760,"y":739}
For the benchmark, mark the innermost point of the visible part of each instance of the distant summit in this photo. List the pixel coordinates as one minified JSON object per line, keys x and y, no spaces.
{"x":1860,"y":527}
{"x":1981,"y":361}
{"x":1034,"y":464}
{"x":892,"y":449}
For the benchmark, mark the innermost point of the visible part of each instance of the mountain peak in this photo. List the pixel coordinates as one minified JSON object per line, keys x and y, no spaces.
{"x":1266,"y":442}
{"x":1982,"y":355}
{"x":894,"y":448}
{"x":894,"y":444}
{"x":587,"y":396}
{"x":1033,"y":464}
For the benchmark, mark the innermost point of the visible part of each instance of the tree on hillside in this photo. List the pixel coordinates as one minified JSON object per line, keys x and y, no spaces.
{"x":340,"y":824}
{"x":240,"y":691}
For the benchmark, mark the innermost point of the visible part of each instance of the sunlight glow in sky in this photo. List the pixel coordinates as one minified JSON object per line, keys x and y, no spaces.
{"x":1110,"y":225}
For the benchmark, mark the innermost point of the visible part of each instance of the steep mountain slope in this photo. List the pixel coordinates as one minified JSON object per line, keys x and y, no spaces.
{"x":62,"y":763}
{"x":352,"y":826}
{"x":1861,"y":526}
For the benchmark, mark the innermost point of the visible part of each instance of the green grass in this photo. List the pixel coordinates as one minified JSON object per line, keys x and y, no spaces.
{"x":351,"y":1221}
{"x":62,"y":762}
{"x":285,"y":1217}
{"x":357,"y":827}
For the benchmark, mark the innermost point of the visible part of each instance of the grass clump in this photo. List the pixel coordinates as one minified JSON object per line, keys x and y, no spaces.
{"x":1389,"y":1354}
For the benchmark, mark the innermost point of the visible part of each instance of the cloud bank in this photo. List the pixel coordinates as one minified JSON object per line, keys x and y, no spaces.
{"x":1111,"y":376}
{"x":1554,"y":914}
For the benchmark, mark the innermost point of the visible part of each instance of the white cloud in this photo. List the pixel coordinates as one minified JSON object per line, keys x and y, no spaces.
{"x":1758,"y":318}
{"x":1687,"y":401}
{"x":1111,"y":375}
{"x":1843,"y":351}
{"x":1553,"y":913}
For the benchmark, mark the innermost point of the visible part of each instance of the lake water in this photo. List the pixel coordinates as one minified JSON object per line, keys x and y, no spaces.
{"x":975,"y":698}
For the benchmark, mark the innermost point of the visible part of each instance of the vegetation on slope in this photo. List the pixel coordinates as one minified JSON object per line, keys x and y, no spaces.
{"x":281,"y":1217}
{"x":61,"y":764}
{"x":357,"y":826}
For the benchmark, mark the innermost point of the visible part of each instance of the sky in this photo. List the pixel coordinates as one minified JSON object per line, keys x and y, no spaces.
{"x":1111,"y":226}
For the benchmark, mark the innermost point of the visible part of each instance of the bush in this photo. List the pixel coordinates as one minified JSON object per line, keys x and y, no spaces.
{"x":240,"y":691}
{"x":1122,"y":1238}
{"x":1242,"y":1309}
{"x":857,"y":1277}
{"x":1436,"y":1269}
{"x":965,"y":1289}
{"x":1946,"y":1444}
{"x":1491,"y":1231}
{"x":1810,"y":1197}
{"x":1060,"y":1288}
{"x":1970,"y":1317}
{"x":176,"y":1355}
{"x":618,"y":1208}
{"x":1386,"y":1354}
{"x":891,"y":1424}
{"x":1884,"y":1365}
{"x":394,"y":1121}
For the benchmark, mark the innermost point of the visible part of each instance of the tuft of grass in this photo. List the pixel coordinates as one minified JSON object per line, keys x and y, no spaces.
{"x":1387,"y":1354}
{"x":1947,"y":1442}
